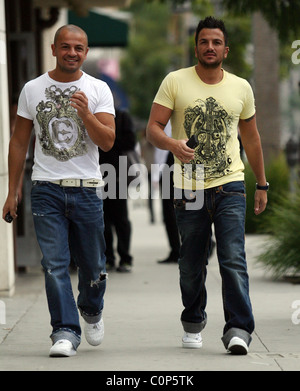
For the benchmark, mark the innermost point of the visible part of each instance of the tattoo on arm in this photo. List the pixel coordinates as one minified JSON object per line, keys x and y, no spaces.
{"x":161,"y":124}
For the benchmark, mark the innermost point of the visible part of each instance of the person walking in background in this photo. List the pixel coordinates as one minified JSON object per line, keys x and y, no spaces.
{"x":209,"y":103}
{"x":168,"y":213}
{"x":165,"y":160}
{"x":72,"y":114}
{"x":148,"y":158}
{"x":116,"y":208}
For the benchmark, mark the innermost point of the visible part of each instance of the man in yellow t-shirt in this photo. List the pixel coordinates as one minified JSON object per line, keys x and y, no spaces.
{"x":209,"y":104}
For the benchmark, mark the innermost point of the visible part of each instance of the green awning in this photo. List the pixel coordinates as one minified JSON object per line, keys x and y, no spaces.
{"x":102,"y":30}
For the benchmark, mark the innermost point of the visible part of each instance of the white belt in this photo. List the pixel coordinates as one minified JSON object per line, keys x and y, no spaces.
{"x":79,"y":182}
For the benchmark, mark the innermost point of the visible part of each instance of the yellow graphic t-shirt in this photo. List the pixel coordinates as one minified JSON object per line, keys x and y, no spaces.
{"x":212,"y":113}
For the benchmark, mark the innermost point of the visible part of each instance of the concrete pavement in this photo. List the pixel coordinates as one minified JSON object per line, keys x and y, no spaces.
{"x":142,"y":310}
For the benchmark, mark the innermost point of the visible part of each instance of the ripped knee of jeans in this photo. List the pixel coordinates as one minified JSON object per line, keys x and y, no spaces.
{"x":102,"y":277}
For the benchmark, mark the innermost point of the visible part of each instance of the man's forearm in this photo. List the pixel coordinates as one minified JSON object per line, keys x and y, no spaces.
{"x":252,"y":145}
{"x":102,"y":134}
{"x":16,"y":160}
{"x":157,"y":137}
{"x":255,"y":158}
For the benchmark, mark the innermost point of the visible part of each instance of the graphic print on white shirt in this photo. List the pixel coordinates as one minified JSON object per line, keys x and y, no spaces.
{"x":63,"y":134}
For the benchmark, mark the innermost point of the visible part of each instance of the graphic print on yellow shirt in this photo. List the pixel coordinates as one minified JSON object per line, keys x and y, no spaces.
{"x":210,"y":123}
{"x":212,"y":113}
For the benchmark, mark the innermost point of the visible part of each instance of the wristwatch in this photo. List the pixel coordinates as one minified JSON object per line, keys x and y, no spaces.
{"x":266,"y":187}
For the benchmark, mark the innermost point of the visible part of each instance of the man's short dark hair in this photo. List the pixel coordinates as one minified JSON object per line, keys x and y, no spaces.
{"x":211,"y":23}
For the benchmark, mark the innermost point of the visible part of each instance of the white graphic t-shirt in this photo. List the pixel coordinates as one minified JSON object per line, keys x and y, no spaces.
{"x":63,"y":148}
{"x":211,"y":112}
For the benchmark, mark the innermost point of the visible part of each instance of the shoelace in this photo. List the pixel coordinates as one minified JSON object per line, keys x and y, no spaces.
{"x":193,"y":336}
{"x":95,"y":326}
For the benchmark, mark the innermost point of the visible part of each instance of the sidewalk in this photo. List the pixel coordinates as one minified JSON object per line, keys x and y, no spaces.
{"x":142,"y":310}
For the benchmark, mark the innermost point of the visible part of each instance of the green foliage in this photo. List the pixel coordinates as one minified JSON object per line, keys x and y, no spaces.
{"x":149,"y":55}
{"x":281,"y":255}
{"x":277,"y":173}
{"x":283,"y":15}
{"x":203,"y":7}
{"x":239,"y":32}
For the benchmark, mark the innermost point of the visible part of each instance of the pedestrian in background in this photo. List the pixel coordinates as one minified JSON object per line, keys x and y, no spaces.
{"x":116,"y":216}
{"x":209,"y":103}
{"x":72,"y":114}
{"x":165,"y":160}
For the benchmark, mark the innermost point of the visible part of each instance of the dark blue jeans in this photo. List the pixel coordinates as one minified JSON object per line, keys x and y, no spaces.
{"x":224,"y":206}
{"x":69,"y":223}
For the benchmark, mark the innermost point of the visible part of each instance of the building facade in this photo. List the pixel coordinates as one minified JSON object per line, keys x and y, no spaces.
{"x":7,"y":277}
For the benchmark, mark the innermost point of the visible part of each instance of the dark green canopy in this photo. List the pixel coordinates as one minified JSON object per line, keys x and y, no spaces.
{"x":102,"y":30}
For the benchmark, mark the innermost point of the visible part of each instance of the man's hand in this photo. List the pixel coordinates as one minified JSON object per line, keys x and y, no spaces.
{"x":80,"y":102}
{"x":260,"y":201}
{"x":100,"y":126}
{"x":10,"y":206}
{"x":182,"y":151}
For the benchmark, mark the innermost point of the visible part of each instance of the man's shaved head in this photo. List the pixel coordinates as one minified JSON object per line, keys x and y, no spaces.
{"x":71,"y":28}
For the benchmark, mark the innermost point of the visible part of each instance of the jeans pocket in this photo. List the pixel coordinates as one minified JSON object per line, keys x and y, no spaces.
{"x":233,"y":189}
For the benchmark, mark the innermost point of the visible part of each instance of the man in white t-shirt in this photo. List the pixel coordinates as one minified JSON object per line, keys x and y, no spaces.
{"x":72,"y":115}
{"x":208,"y":104}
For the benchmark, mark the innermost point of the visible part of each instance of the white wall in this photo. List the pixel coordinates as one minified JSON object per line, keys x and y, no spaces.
{"x":48,"y":61}
{"x":7,"y":274}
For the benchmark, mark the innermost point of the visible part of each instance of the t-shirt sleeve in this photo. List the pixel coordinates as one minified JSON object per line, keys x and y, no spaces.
{"x":249,"y":103}
{"x":23,"y":110}
{"x":105,"y":103}
{"x":165,"y":95}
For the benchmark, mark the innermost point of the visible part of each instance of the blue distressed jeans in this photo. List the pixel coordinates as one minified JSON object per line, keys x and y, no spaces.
{"x":69,"y":224}
{"x":225,"y":207}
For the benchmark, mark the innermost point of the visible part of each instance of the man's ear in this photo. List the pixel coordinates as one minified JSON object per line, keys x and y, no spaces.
{"x":226,"y":51}
{"x":53,"y":50}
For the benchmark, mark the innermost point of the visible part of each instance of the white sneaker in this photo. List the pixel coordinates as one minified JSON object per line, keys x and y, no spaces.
{"x":94,"y":333}
{"x":237,"y":346}
{"x":192,"y":340}
{"x":62,"y":348}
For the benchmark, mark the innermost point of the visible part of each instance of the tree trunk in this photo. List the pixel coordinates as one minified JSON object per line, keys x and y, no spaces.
{"x":266,"y":85}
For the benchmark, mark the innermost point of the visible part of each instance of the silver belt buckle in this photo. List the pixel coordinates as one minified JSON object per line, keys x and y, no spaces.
{"x":91,"y":182}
